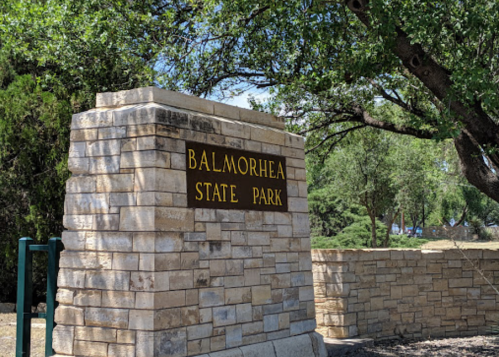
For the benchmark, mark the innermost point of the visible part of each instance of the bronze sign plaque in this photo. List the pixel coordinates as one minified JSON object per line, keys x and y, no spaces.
{"x":219,"y":177}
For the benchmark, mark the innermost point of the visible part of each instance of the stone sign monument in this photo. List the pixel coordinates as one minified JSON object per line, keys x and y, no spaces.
{"x":187,"y":233}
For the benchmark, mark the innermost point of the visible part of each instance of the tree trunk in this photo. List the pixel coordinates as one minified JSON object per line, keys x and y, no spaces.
{"x":387,"y":238}
{"x":373,"y":230}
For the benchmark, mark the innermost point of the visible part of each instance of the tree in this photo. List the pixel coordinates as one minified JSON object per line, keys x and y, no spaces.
{"x":418,"y":175}
{"x":54,"y":57}
{"x":362,"y":172}
{"x":435,"y":61}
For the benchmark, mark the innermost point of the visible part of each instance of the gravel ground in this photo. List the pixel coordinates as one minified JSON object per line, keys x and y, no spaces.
{"x":8,"y":336}
{"x":477,"y":346}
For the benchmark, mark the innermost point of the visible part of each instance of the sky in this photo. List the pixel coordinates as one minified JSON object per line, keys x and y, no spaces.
{"x":242,"y":100}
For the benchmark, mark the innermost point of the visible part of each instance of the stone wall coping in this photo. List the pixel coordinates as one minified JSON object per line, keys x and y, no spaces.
{"x":336,"y":251}
{"x":340,"y":255}
{"x":146,"y":105}
{"x":184,"y":101}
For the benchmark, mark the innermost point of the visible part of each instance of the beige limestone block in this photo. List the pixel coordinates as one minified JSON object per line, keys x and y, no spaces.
{"x":224,"y":315}
{"x":108,"y":280}
{"x":122,"y":199}
{"x":214,"y":250}
{"x":211,"y":297}
{"x":177,"y":161}
{"x":125,"y":261}
{"x":174,"y":219}
{"x":148,"y":158}
{"x":74,"y":240}
{"x":69,"y":315}
{"x":118,"y":299}
{"x":78,"y":184}
{"x":105,"y":222}
{"x":297,"y":204}
{"x":154,"y":199}
{"x":79,"y":165}
{"x":159,"y":262}
{"x":168,"y":299}
{"x":137,"y":219}
{"x":252,"y":277}
{"x":160,"y":143}
{"x":156,"y":218}
{"x":69,"y":278}
{"x":84,"y":135}
{"x":160,"y":242}
{"x":213,"y":231}
{"x":115,"y":183}
{"x":109,"y":241}
{"x":189,"y":260}
{"x":86,"y":203}
{"x":279,"y":281}
{"x":103,"y":148}
{"x":189,"y":315}
{"x":181,"y":280}
{"x":261,"y":295}
{"x":95,"y":118}
{"x":90,"y":349}
{"x":62,"y":339}
{"x":128,"y":144}
{"x":251,"y":145}
{"x":65,"y":296}
{"x":104,"y":165}
{"x":234,"y":267}
{"x":237,"y":296}
{"x":121,"y":351}
{"x":126,"y":336}
{"x":116,"y":132}
{"x":149,"y":281}
{"x":77,"y":149}
{"x":87,"y":298}
{"x":199,"y":331}
{"x":141,"y":320}
{"x":271,"y":149}
{"x":301,"y":225}
{"x":167,"y":318}
{"x":267,"y":135}
{"x":179,"y":200}
{"x":104,"y":317}
{"x":97,"y":334}
{"x":294,"y":141}
{"x":235,"y":129}
{"x":160,"y":180}
{"x":258,"y":238}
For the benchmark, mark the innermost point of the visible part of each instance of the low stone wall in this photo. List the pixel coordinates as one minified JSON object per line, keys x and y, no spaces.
{"x":409,"y":293}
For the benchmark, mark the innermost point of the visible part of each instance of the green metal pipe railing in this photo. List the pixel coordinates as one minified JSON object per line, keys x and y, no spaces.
{"x":25,"y":293}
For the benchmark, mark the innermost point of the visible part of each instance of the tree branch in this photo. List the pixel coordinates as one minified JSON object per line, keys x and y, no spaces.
{"x":362,"y":116}
{"x":346,"y":131}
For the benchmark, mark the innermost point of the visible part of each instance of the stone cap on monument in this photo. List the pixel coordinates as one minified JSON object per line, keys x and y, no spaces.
{"x":184,"y":101}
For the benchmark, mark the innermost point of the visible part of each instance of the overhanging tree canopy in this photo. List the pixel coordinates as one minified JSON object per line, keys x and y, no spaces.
{"x":436,"y":61}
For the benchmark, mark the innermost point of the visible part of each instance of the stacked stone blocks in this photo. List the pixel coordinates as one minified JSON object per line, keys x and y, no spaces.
{"x":142,"y":274}
{"x":405,"y":293}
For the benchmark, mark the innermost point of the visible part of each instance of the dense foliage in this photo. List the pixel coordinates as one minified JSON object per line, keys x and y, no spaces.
{"x":375,"y":176}
{"x":54,"y":57}
{"x":330,"y":63}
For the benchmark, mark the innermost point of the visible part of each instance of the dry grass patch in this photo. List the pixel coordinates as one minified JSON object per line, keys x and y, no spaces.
{"x":8,"y":336}
{"x":449,"y":244}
